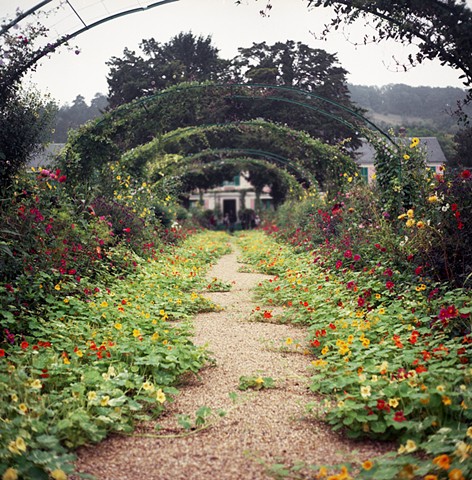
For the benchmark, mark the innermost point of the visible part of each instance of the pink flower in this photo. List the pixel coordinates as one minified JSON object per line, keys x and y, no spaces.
{"x":357,"y":257}
{"x":339,"y":264}
{"x":348,"y":254}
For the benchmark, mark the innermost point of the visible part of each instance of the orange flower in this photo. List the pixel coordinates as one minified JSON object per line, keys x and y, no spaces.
{"x":442,"y":461}
{"x":367,"y":465}
{"x":430,"y":477}
{"x":456,"y":474}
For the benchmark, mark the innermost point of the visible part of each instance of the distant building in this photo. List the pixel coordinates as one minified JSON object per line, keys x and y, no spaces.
{"x":434,"y":156}
{"x":231,"y":197}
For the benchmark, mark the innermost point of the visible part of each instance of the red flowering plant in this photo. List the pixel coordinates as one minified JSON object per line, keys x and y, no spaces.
{"x":439,"y":234}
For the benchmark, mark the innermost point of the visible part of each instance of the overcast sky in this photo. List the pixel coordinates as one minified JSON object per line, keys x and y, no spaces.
{"x":65,"y":75}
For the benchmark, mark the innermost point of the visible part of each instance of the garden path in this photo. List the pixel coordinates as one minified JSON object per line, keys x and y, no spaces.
{"x":271,"y":424}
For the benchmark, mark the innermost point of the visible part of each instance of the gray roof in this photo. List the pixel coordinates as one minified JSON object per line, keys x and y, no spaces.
{"x":434,"y":153}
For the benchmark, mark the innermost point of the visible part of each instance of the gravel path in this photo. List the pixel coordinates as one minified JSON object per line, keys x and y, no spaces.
{"x":269,"y":425}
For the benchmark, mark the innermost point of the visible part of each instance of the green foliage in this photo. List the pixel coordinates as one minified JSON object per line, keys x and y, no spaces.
{"x":184,"y":57}
{"x":255,"y":382}
{"x":99,"y":361}
{"x":25,"y":124}
{"x":391,"y":351}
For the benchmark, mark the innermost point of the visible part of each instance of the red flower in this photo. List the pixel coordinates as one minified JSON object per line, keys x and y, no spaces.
{"x":126,"y":230}
{"x":2,"y":352}
{"x":454,"y":207}
{"x":399,"y":417}
{"x":360,"y":302}
{"x":357,"y":257}
{"x":267,"y":314}
{"x":466,"y":174}
{"x":339,"y":264}
{"x":388,"y":272}
{"x":24,"y":345}
{"x":315,"y":343}
{"x":332,"y":326}
{"x":62,"y":179}
{"x":418,"y":270}
{"x":389,"y":284}
{"x":460,"y":225}
{"x":348,"y":254}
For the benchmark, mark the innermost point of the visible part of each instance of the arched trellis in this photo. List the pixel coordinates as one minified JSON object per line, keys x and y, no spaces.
{"x":123,"y":110}
{"x":301,"y":175}
{"x":281,"y":182}
{"x":313,"y":162}
{"x":64,"y":39}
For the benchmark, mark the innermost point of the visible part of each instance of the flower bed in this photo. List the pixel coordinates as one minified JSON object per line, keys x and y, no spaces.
{"x":391,"y":352}
{"x":99,"y":361}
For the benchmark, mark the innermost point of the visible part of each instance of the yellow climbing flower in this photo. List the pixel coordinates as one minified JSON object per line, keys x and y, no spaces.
{"x":160,"y":396}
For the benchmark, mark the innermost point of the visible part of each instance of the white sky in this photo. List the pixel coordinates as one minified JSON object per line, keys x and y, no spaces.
{"x":65,"y":75}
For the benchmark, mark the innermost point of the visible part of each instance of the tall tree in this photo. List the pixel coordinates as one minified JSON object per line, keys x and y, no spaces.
{"x":183,"y":58}
{"x":441,"y":29}
{"x":297,"y":65}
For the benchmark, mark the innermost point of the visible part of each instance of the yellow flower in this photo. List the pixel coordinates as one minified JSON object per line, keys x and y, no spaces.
{"x":366,"y":342}
{"x":402,"y":216}
{"x":469,"y":432}
{"x":393,"y":402}
{"x":10,"y":474}
{"x":406,"y":157}
{"x":118,"y":326}
{"x":440,"y":388}
{"x":23,"y":408}
{"x":462,"y":451}
{"x":325,"y":350}
{"x":104,"y":304}
{"x":66,"y":361}
{"x":414,"y":142}
{"x":91,"y":396}
{"x":349,"y":179}
{"x":79,"y":353}
{"x":104,"y":401}
{"x":409,"y":447}
{"x":410,"y":213}
{"x":160,"y":396}
{"x":381,"y":311}
{"x":136,"y":333}
{"x":148,"y":386}
{"x":289,"y":341}
{"x":365,"y":391}
{"x":322,"y":473}
{"x":36,"y":384}
{"x":432,"y":199}
{"x":57,"y":287}
{"x":410,"y":223}
{"x":14,"y":397}
{"x":58,"y":474}
{"x":367,"y":465}
{"x":259,"y":380}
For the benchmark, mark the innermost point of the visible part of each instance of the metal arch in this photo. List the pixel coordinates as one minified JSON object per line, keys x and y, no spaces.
{"x":260,"y":153}
{"x":298,"y":91}
{"x":251,"y":161}
{"x":65,"y":38}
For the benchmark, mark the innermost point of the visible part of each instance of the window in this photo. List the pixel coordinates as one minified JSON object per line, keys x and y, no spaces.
{"x":235,"y":182}
{"x":365,"y":174}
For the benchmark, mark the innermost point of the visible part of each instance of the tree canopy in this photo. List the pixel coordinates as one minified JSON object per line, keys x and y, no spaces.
{"x":183,"y":58}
